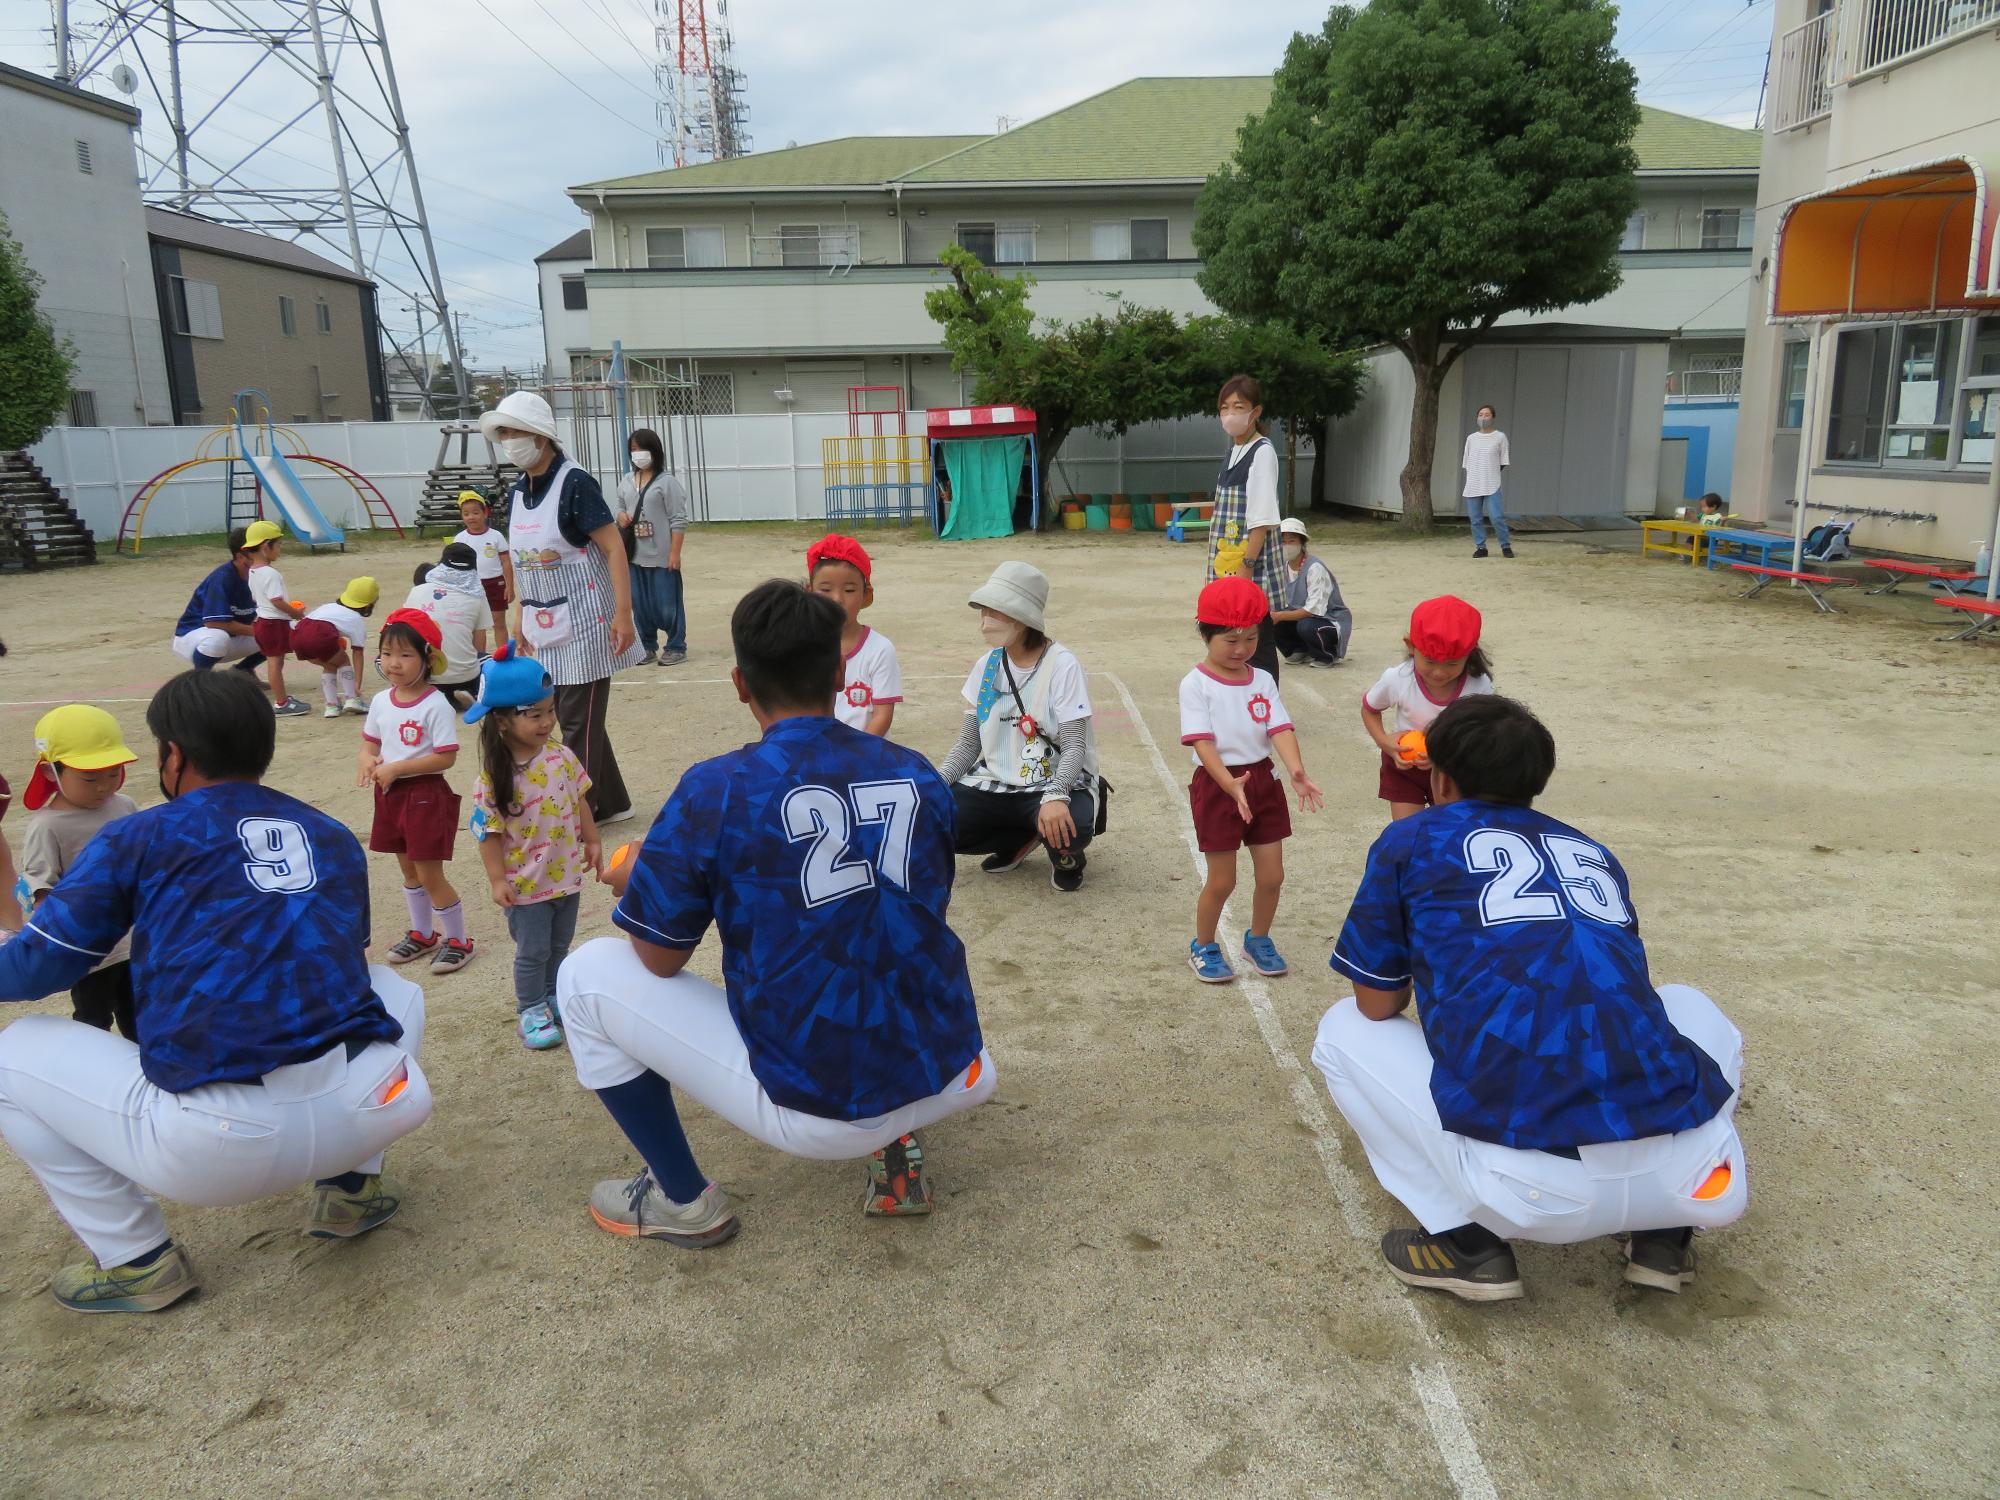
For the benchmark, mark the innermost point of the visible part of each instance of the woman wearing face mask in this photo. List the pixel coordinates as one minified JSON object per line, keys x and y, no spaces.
{"x":1242,"y":530}
{"x":1486,"y":458}
{"x":573,"y":589}
{"x":1024,"y":770}
{"x":652,"y":502}
{"x":1315,"y":625}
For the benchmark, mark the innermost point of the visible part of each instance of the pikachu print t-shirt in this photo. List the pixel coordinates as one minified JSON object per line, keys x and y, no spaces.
{"x":543,"y":830}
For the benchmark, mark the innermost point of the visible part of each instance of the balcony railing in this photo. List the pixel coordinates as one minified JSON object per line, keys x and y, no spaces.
{"x":1877,"y":33}
{"x":1803,"y":89}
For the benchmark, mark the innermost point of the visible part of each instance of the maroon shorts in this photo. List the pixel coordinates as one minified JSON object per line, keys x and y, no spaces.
{"x":496,"y":600}
{"x":1218,"y":825}
{"x":417,"y":817}
{"x":316,"y":640}
{"x":273,"y":637}
{"x":1401,"y":783}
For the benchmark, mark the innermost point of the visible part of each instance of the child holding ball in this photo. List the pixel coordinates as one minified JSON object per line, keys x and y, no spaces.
{"x":408,"y":741}
{"x":872,"y":683}
{"x":1445,"y":664}
{"x":536,"y":836}
{"x":1232,"y":716}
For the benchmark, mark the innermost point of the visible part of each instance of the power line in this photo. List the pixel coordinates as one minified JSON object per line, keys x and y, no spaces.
{"x":1728,"y":25}
{"x":651,"y":135}
{"x":597,"y":56}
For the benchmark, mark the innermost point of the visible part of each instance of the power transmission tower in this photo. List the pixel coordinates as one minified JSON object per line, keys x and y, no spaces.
{"x":703,"y":110}
{"x":319,"y":70}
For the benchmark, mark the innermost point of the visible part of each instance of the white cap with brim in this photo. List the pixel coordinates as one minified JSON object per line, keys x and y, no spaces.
{"x":524,"y":411}
{"x":1293,"y":526}
{"x":1018,"y":590}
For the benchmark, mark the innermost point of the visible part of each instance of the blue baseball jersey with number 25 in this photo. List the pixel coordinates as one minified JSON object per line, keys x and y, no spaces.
{"x":825,"y":857}
{"x":249,"y":919}
{"x":1519,"y":935}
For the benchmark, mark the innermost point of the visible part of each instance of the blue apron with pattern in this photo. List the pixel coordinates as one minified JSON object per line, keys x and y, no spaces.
{"x":1228,"y":530}
{"x":565,"y":591}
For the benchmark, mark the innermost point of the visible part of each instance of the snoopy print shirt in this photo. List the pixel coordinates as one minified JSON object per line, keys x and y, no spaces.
{"x":543,"y":830}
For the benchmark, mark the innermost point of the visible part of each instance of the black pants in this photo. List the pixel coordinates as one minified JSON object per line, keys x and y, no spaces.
{"x":581,"y":710}
{"x":1000,"y":822}
{"x":1322,"y":637}
{"x":104,"y":996}
{"x":1266,"y":655}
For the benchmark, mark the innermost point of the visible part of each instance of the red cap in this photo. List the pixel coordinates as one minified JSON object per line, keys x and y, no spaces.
{"x":1234,"y":603}
{"x":421,"y":623}
{"x":839,"y":549}
{"x":1445,"y":628}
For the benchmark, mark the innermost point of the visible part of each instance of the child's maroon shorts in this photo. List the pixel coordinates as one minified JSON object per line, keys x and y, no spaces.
{"x":1218,"y":826}
{"x":496,"y":600}
{"x":273,"y":637}
{"x":1401,"y":783}
{"x":417,"y":816}
{"x":315,"y":640}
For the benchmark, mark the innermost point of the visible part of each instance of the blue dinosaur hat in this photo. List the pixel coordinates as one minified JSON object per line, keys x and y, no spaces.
{"x":509,"y":680}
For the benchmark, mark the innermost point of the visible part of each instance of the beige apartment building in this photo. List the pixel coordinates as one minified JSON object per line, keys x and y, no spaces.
{"x":1871,"y":380}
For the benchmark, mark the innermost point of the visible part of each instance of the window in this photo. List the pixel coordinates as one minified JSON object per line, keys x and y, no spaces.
{"x":1896,"y":389}
{"x":1111,"y":241}
{"x":714,"y":396}
{"x":1635,"y":231}
{"x":574,"y":298}
{"x":1792,"y":386}
{"x":196,"y":307}
{"x":1721,"y":228}
{"x":1860,"y":395}
{"x":288,"y":317}
{"x":88,"y":168}
{"x":798,"y":244}
{"x":979,"y":239}
{"x":1926,"y":371}
{"x":681,"y":249}
{"x":83,"y":408}
{"x":1149,"y":239}
{"x":817,"y":244}
{"x":1014,"y":244}
{"x":322,"y":316}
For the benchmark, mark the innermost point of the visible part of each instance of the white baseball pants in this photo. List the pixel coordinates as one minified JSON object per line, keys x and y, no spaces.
{"x":1379,"y":1073}
{"x":621,"y":1020}
{"x":100,"y":1138}
{"x":216,"y":645}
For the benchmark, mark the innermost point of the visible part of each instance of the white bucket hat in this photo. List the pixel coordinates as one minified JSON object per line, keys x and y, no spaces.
{"x":1293,"y":526}
{"x":1018,"y":590}
{"x":524,"y":411}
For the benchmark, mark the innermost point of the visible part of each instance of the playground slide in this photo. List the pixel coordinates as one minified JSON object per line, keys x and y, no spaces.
{"x":283,"y":490}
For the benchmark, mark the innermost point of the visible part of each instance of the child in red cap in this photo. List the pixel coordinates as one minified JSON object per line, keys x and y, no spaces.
{"x":1233,"y":718}
{"x":408,"y":741}
{"x":871,"y":681}
{"x":1444,"y":665}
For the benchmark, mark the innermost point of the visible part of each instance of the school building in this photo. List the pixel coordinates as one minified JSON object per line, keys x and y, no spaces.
{"x":1871,"y":382}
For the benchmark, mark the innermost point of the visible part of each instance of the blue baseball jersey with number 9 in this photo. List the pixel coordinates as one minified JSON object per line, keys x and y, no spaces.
{"x":249,"y":919}
{"x":825,"y":858}
{"x":1519,"y":936}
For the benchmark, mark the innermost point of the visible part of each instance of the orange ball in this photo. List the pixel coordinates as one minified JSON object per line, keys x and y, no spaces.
{"x":1410,"y":745}
{"x":298,"y":604}
{"x":622,"y":856}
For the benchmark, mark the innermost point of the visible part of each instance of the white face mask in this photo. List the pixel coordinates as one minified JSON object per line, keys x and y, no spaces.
{"x":521,"y":451}
{"x":1294,"y":551}
{"x":999,"y":631}
{"x":1235,"y":423}
{"x":642,"y":460}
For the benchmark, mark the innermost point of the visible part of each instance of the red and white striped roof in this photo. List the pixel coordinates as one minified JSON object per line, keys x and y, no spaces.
{"x":979,"y":421}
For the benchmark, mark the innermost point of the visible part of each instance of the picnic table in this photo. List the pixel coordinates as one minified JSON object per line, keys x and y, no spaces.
{"x":1814,"y":584}
{"x":1985,"y":616}
{"x":1658,"y":536}
{"x":1760,"y":547}
{"x":1954,"y":580}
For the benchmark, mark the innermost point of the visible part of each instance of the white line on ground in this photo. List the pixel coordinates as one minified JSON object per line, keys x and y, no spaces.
{"x":1455,"y":1443}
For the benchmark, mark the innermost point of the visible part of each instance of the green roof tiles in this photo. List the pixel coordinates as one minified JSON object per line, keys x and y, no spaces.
{"x":1668,"y":142}
{"x":852,"y":160}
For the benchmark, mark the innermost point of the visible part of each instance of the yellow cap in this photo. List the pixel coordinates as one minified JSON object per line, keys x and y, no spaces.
{"x":360,"y":593}
{"x":472,"y":495}
{"x":76,"y":735}
{"x":259,"y":532}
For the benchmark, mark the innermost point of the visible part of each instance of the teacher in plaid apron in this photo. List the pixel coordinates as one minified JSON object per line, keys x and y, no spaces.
{"x":1243,"y":527}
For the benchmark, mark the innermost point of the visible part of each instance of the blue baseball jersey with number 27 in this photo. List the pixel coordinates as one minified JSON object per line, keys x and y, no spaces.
{"x":1519,"y":935}
{"x":249,"y":919}
{"x":825,"y":857}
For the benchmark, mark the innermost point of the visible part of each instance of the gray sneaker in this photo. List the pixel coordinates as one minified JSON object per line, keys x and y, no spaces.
{"x":649,"y":659}
{"x":86,"y":1289}
{"x":638,"y":1208}
{"x":672,"y":658}
{"x":291,"y":708}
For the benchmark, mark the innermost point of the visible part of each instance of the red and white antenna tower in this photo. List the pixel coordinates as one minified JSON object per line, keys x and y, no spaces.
{"x":703,"y":112}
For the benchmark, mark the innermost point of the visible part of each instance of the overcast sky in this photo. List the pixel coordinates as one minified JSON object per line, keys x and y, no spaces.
{"x":509,"y":101}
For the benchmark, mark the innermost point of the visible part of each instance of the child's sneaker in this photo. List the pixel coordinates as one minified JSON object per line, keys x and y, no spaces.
{"x":896,"y":1183}
{"x":1209,"y":966}
{"x":1264,"y":956}
{"x":355,"y":706}
{"x":452,"y":956}
{"x":332,"y":711}
{"x":413,"y":946}
{"x":291,"y":708}
{"x":539,"y":1030}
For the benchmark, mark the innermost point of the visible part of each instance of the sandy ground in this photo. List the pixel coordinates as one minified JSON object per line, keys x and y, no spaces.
{"x":1153,"y":1270}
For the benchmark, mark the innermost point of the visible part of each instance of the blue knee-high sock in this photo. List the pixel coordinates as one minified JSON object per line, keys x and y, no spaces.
{"x":203,"y":663}
{"x":644,"y":1110}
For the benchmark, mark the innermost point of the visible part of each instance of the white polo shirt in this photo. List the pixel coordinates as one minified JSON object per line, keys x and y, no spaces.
{"x":873,"y":679}
{"x":1401,"y":689}
{"x":1240,"y":717}
{"x":267,"y":587}
{"x":353,"y":629}
{"x":489,"y":544}
{"x":403,"y":731}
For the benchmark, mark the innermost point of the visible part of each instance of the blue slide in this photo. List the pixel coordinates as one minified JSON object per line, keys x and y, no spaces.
{"x":283,"y":490}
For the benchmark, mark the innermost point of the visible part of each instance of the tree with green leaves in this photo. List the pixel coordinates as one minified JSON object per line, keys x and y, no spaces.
{"x":35,"y":363}
{"x":1426,"y":167}
{"x":1113,"y":371}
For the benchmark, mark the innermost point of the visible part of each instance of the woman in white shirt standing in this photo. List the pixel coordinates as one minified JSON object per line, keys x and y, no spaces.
{"x":1243,"y":526}
{"x":1485,"y":459}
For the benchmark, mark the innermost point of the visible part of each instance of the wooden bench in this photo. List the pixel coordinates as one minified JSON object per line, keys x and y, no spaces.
{"x":1901,"y":573}
{"x":1190,"y":520}
{"x":1658,"y":536}
{"x":1812,"y":583}
{"x":1985,"y":616}
{"x":1761,"y":547}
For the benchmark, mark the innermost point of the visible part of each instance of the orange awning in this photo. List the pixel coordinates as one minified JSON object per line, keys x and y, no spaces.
{"x":1917,"y":240}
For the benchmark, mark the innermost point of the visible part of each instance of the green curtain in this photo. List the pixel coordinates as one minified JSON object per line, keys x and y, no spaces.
{"x":985,"y":474}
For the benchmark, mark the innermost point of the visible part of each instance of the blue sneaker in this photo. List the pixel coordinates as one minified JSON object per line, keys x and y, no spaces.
{"x":1264,"y":956}
{"x":1209,"y":966}
{"x":539,"y":1029}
